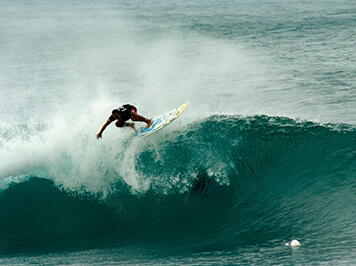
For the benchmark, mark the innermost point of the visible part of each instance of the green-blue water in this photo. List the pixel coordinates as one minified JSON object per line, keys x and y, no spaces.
{"x":263,"y":154}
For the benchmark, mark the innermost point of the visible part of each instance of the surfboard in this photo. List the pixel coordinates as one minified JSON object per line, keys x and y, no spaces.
{"x":159,"y":122}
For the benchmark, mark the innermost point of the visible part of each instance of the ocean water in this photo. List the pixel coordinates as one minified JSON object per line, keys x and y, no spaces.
{"x":264,"y":153}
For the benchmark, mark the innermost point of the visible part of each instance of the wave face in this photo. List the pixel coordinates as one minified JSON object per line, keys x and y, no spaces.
{"x":220,"y":183}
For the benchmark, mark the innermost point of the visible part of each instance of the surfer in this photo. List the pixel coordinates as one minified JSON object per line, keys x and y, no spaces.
{"x":122,"y":114}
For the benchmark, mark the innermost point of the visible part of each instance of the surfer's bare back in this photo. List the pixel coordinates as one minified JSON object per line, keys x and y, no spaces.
{"x":122,"y":114}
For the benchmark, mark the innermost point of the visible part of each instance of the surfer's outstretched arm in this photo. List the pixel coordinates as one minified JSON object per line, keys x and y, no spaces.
{"x":98,"y":136}
{"x":137,"y":117}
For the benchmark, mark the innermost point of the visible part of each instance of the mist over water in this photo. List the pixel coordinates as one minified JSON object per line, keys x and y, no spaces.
{"x":83,"y":54}
{"x":263,"y":153}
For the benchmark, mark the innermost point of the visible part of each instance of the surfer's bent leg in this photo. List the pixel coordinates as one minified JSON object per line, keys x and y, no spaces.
{"x":119,"y":123}
{"x":125,"y":124}
{"x":132,"y":125}
{"x":137,"y":117}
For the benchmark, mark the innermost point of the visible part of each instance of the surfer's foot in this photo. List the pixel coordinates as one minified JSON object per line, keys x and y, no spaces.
{"x":149,"y":123}
{"x":132,"y":125}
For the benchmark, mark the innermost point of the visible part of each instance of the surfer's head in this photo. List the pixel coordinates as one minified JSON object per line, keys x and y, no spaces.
{"x":116,"y":113}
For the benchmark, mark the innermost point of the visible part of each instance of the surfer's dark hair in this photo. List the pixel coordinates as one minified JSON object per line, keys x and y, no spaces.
{"x":115,"y":111}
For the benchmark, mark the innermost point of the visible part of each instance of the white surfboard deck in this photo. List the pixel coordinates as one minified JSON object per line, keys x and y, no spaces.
{"x":159,"y":122}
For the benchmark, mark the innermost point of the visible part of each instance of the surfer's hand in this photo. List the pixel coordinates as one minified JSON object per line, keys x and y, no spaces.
{"x":98,"y":136}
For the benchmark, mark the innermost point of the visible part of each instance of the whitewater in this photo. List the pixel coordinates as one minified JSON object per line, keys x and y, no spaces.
{"x":263,"y":154}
